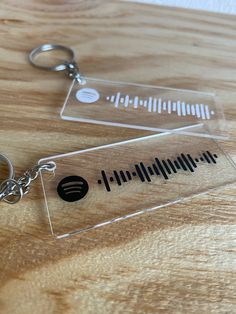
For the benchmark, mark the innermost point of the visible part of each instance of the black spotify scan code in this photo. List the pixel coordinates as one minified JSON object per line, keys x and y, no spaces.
{"x":72,"y":188}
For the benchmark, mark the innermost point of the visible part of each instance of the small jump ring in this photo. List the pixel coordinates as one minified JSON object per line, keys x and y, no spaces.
{"x":48,"y":47}
{"x":11,"y":173}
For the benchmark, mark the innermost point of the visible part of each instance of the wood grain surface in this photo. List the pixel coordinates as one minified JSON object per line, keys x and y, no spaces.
{"x":180,"y":259}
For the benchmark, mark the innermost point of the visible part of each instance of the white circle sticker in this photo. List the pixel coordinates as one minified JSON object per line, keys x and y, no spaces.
{"x":87,"y":95}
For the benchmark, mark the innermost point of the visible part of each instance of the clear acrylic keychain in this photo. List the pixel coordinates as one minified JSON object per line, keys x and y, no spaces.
{"x":137,"y":106}
{"x":97,"y":186}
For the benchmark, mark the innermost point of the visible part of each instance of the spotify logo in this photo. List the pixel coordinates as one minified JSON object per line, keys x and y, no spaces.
{"x":87,"y":95}
{"x":72,"y":188}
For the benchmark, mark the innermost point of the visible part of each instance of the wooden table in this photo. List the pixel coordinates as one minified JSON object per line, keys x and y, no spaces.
{"x":180,"y":259}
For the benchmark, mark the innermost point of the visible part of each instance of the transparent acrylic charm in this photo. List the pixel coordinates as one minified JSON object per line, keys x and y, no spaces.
{"x":105,"y":184}
{"x":144,"y":107}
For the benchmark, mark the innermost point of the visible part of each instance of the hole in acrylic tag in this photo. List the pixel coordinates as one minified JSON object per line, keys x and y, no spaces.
{"x":101,"y":185}
{"x":143,"y":107}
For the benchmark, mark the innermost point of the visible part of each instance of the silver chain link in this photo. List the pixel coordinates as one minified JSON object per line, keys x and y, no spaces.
{"x":12,"y":190}
{"x":72,"y":70}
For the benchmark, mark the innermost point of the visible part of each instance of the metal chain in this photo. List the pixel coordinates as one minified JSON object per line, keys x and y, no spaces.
{"x":72,"y":70}
{"x":12,"y":190}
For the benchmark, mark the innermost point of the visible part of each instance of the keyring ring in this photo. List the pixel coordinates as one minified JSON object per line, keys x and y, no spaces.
{"x":48,"y":47}
{"x":9,"y":165}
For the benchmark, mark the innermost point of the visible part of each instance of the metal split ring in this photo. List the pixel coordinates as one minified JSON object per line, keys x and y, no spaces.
{"x":49,"y":47}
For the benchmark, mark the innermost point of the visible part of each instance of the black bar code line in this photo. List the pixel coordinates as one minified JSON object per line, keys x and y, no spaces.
{"x":187,"y":162}
{"x":105,"y":181}
{"x":192,"y":161}
{"x":123,"y":176}
{"x":128,"y":175}
{"x":161,"y":169}
{"x":145,"y":172}
{"x":182,"y":164}
{"x":166,"y":166}
{"x":206,"y":157}
{"x":150,"y":171}
{"x":117,"y":177}
{"x":156,"y":170}
{"x":212,"y":158}
{"x":171,"y":165}
{"x":139,"y":173}
{"x":177,"y":164}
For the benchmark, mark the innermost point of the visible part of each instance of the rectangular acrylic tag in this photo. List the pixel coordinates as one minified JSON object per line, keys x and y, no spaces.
{"x":101,"y":185}
{"x":144,"y":107}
